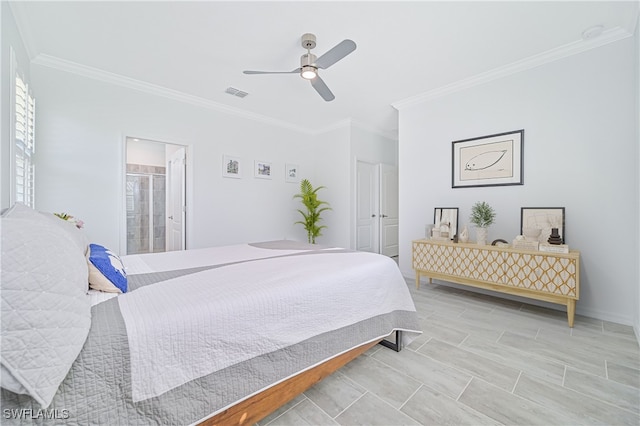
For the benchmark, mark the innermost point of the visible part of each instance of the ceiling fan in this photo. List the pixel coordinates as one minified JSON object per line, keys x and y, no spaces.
{"x":309,"y":64}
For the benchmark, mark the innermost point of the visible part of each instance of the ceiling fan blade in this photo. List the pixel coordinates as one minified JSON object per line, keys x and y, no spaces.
{"x":322,"y":89}
{"x":338,"y":52}
{"x":272,"y":72}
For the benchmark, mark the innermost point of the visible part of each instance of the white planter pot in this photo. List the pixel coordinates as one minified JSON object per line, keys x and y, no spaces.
{"x":481,"y":236}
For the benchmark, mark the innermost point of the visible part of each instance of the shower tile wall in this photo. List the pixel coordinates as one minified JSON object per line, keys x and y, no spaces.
{"x":139,"y":214}
{"x":159,"y":206}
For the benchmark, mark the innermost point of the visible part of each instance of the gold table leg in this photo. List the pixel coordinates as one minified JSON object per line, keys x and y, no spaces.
{"x":571,"y":311}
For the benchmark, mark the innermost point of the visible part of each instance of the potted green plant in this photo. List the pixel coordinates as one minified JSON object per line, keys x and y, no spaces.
{"x":482,"y":216}
{"x":314,"y":207}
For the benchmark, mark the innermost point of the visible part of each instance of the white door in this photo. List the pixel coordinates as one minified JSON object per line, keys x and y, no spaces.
{"x":377,"y":208}
{"x":388,"y":210}
{"x":366,"y":207}
{"x":176,"y":206}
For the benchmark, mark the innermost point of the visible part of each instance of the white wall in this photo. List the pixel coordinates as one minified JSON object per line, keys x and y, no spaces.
{"x":368,"y":145}
{"x":330,"y":154}
{"x":81,"y":127}
{"x":580,"y":152}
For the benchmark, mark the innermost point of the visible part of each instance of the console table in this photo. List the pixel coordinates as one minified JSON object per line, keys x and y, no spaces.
{"x":551,"y":277}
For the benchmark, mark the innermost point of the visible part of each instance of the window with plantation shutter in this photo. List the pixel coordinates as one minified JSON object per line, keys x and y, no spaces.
{"x":24,"y":143}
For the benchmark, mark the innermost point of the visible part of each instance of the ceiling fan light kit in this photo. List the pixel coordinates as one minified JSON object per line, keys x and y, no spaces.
{"x":308,"y":71}
{"x":309,"y":63}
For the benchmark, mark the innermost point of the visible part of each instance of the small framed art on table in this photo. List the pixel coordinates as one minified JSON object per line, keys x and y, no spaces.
{"x":445,"y":220}
{"x":544,"y":219}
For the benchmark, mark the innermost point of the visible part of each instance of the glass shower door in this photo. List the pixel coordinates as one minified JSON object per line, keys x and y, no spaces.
{"x":145,"y":213}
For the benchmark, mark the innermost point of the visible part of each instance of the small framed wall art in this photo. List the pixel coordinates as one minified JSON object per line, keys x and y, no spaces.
{"x":493,"y":160}
{"x":292,"y":172}
{"x":231,"y":167}
{"x":262,"y":169}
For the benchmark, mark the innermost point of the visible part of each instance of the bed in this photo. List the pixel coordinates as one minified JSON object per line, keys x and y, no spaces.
{"x":221,"y":335}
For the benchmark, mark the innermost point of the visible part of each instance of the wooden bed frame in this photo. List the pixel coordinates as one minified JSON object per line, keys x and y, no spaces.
{"x":261,"y":405}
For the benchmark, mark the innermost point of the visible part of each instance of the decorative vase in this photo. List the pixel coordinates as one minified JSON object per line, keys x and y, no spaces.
{"x":464,"y":235}
{"x":481,"y":236}
{"x":428,"y":230}
{"x":555,"y":237}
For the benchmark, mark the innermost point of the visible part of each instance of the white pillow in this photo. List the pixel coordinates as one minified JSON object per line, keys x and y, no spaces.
{"x":45,"y":312}
{"x":76,"y":235}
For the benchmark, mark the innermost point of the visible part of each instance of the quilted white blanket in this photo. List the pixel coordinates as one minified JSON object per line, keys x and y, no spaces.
{"x":187,"y":327}
{"x":174,"y":260}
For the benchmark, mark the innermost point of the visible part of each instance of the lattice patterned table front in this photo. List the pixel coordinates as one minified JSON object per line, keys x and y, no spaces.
{"x":478,"y":264}
{"x":436,"y":258}
{"x":552,"y":277}
{"x":557,"y":275}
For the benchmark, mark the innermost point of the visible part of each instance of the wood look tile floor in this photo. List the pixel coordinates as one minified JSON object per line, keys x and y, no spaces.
{"x":483,"y":360}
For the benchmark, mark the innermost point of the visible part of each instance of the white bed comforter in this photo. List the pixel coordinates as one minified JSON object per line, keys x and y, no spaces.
{"x":185,"y":259}
{"x":185,"y":328}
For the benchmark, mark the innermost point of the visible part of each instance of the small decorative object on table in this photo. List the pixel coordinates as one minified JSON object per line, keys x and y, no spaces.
{"x":428,"y":230}
{"x":500,"y":243}
{"x":522,"y":243}
{"x":554,"y":248}
{"x":532,"y":234}
{"x":464,"y":235}
{"x":482,"y":215}
{"x":555,"y":237}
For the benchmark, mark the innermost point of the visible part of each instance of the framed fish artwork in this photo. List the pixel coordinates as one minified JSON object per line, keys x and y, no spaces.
{"x":493,"y":160}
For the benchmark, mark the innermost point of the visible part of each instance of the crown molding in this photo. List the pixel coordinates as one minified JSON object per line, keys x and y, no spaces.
{"x":141,"y":86}
{"x":348,"y":123}
{"x":570,"y":49}
{"x":367,"y":128}
{"x":340,"y":124}
{"x":609,"y":36}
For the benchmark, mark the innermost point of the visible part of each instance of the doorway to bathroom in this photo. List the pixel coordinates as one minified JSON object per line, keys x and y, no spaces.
{"x":155,"y":196}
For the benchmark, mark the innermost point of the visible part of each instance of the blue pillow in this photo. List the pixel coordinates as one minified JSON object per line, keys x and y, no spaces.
{"x":106,"y":271}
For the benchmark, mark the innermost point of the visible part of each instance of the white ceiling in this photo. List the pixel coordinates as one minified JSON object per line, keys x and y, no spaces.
{"x":405,"y":49}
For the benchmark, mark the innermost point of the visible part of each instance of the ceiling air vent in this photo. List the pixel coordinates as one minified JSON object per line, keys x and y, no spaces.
{"x":235,"y":92}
